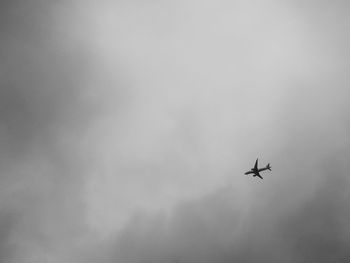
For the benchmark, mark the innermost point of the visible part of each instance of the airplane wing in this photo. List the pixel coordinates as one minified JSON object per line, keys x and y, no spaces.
{"x":256,"y":165}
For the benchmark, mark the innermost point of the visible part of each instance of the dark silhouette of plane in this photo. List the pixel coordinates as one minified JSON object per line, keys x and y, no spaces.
{"x":256,"y":171}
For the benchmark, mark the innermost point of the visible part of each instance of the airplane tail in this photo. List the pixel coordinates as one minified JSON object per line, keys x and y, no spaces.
{"x":268,"y":166}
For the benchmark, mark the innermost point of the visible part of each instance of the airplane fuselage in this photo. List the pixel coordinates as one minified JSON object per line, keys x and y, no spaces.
{"x":255,"y":172}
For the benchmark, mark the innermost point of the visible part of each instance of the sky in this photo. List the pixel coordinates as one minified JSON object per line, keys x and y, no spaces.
{"x":126,"y":128}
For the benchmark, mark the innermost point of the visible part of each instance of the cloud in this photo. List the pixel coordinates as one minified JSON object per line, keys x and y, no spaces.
{"x":125,"y":128}
{"x":43,"y":111}
{"x":268,"y":228}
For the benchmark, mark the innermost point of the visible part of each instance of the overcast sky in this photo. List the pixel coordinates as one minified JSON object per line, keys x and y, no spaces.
{"x":126,"y":128}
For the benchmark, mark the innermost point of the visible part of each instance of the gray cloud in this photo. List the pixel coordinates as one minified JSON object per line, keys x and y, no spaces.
{"x":125,"y":128}
{"x":274,"y":226}
{"x":42,"y":113}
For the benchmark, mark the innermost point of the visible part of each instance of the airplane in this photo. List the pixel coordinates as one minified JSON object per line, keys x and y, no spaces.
{"x":256,"y":171}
